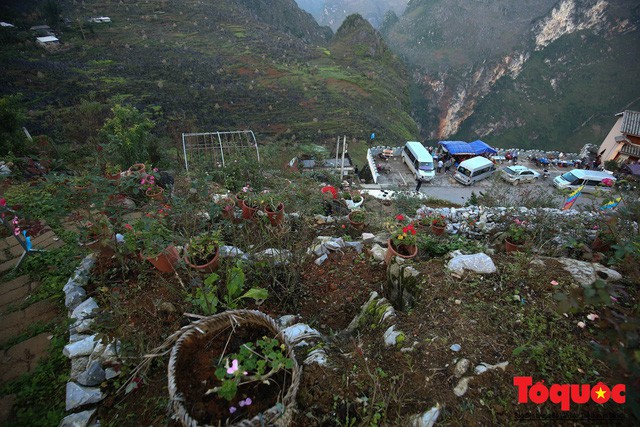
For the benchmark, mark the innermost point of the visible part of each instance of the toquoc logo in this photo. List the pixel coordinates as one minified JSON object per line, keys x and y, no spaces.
{"x":564,"y":394}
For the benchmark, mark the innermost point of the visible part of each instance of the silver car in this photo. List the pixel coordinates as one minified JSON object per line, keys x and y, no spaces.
{"x":518,"y":174}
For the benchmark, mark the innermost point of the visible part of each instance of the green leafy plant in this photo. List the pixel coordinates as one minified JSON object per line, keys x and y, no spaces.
{"x":149,"y":235}
{"x":254,"y":362}
{"x":358,"y":215}
{"x":202,"y":248}
{"x":518,"y":232}
{"x":437,"y":221}
{"x":207,"y":297}
{"x":404,"y":236}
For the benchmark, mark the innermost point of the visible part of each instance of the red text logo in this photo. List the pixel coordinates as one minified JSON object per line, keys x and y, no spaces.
{"x":564,"y":394}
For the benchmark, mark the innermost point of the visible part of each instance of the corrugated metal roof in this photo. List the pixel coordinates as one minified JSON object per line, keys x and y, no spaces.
{"x":631,"y":123}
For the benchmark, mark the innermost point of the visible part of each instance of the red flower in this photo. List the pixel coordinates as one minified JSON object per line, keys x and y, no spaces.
{"x":3,"y":202}
{"x":400,"y":217}
{"x":128,"y":227}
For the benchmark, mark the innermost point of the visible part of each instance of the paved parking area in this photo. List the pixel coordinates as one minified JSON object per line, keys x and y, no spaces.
{"x":445,"y":187}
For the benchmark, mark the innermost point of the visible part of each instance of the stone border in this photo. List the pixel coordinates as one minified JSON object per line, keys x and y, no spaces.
{"x":91,"y":360}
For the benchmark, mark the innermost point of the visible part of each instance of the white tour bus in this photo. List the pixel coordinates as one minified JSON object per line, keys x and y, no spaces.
{"x":591,"y":180}
{"x":419,"y":160}
{"x":474,"y":169}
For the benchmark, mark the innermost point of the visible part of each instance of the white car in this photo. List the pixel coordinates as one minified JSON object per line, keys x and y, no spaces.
{"x":518,"y":174}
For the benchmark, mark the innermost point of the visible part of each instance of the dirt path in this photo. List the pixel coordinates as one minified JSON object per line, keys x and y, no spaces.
{"x":21,"y":344}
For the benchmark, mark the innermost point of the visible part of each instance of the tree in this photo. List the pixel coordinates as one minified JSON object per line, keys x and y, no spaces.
{"x":128,"y":134}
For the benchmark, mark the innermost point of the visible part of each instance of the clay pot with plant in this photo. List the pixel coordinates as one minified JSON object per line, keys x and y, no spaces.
{"x":274,"y":208}
{"x":154,"y":241}
{"x":357,"y":218}
{"x":402,"y":242}
{"x":97,"y":235}
{"x":438,"y":224}
{"x":112,"y":172}
{"x":516,"y":236}
{"x":202,"y":253}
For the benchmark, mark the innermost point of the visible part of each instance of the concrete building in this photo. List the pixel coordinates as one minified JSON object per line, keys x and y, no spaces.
{"x":622,"y":144}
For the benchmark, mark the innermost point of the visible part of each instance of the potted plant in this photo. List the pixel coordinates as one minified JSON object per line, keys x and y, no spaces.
{"x":135,"y":169}
{"x":149,"y":184}
{"x":516,"y":236}
{"x":202,"y":253}
{"x":96,"y":235}
{"x":250,"y":205}
{"x":154,"y":241}
{"x":228,"y":209}
{"x":112,"y":172}
{"x":437,"y":224}
{"x":357,"y":218}
{"x":274,"y":209}
{"x":233,"y":368}
{"x":353,"y":200}
{"x":402,"y":242}
{"x":243,"y":194}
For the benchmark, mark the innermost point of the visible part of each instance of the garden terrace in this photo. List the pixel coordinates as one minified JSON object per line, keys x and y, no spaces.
{"x":454,"y":344}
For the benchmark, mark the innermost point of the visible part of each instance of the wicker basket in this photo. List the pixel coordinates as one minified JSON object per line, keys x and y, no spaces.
{"x":278,"y":415}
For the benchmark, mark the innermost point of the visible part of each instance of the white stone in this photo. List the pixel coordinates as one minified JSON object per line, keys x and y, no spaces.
{"x":78,"y":395}
{"x":318,"y":356}
{"x":461,"y":388}
{"x":80,"y":419}
{"x":391,"y":335}
{"x":299,"y":332}
{"x":478,"y":263}
{"x":461,"y":367}
{"x":378,"y":252}
{"x":321,"y":260}
{"x":427,"y":419}
{"x":85,"y":309}
{"x":80,"y":348}
{"x":368,"y":237}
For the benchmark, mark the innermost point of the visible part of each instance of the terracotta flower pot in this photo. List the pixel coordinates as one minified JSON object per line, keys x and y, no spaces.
{"x":155,"y":193}
{"x":248,"y":212}
{"x":209,"y":267}
{"x":275,"y":217}
{"x":113,"y":177}
{"x":437,"y":230}
{"x":137,"y":168}
{"x":240,"y":197}
{"x":166,"y":260}
{"x":512,"y":247}
{"x":406,"y":252}
{"x":355,"y":224}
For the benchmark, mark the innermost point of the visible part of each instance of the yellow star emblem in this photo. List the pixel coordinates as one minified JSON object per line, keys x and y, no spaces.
{"x":600,"y":392}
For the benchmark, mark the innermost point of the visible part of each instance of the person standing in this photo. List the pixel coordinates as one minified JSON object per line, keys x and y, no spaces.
{"x":447,"y":164}
{"x":419,"y":181}
{"x":440,"y":164}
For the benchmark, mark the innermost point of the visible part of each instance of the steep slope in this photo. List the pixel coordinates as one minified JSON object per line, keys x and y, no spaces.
{"x":210,"y":65}
{"x":460,"y":50}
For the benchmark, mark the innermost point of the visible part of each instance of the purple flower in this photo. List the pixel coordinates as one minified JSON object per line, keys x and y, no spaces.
{"x":245,"y":402}
{"x":232,"y":409}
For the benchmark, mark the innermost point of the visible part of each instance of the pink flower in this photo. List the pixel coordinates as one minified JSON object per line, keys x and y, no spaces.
{"x":232,"y":409}
{"x":581,"y":324}
{"x":233,"y":368}
{"x":155,"y":169}
{"x":16,"y":231}
{"x":593,"y":316}
{"x":608,"y":182}
{"x":143,"y":181}
{"x":554,"y":283}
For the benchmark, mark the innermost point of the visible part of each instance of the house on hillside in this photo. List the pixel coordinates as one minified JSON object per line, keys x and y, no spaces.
{"x":623,"y":142}
{"x":49,"y":42}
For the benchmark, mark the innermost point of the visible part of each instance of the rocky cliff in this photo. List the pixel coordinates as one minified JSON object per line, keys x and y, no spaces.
{"x":334,"y":12}
{"x":461,"y":50}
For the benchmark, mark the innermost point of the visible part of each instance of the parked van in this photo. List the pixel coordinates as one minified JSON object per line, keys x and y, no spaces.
{"x":591,"y":180}
{"x":474,"y":170}
{"x":418,"y":160}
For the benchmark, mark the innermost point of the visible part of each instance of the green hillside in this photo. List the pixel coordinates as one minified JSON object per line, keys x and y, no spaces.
{"x":594,"y":78}
{"x":205,"y":66}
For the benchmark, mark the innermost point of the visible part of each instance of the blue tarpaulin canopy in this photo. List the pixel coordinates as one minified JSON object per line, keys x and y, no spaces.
{"x":469,"y":148}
